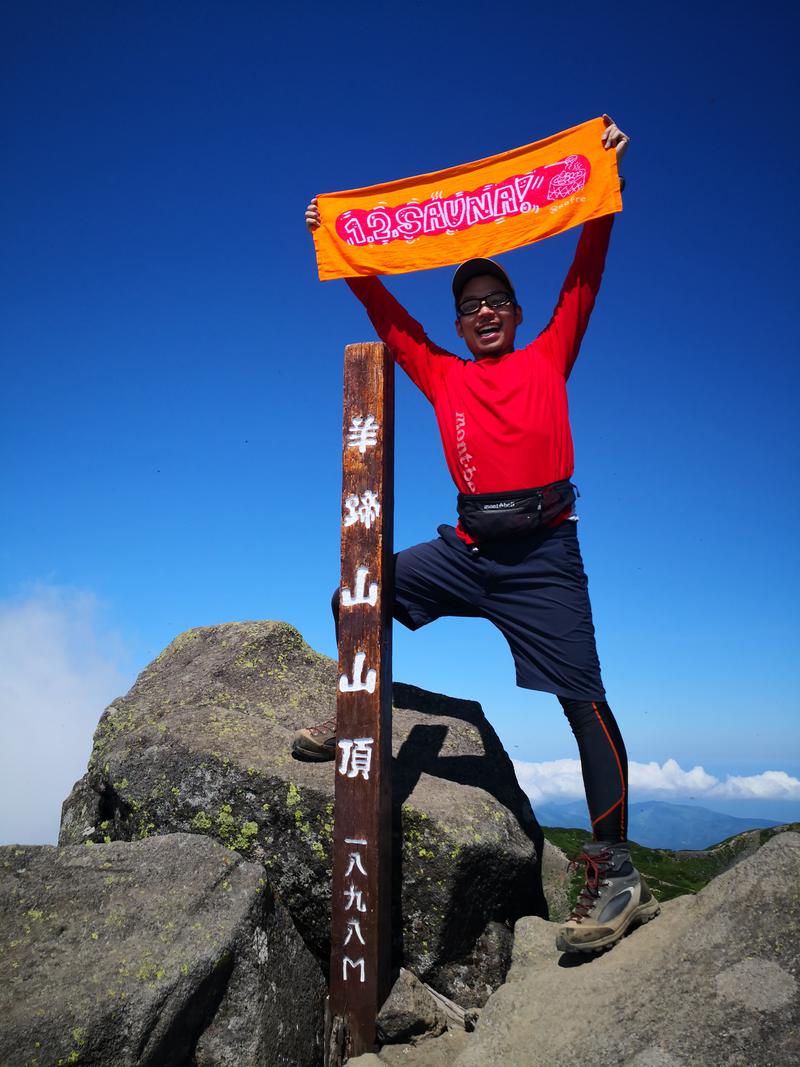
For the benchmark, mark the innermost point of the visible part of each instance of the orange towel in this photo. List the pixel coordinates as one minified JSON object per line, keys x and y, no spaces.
{"x":476,"y":209}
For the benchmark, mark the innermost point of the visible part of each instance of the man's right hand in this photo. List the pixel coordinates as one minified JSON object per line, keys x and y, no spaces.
{"x":312,"y":216}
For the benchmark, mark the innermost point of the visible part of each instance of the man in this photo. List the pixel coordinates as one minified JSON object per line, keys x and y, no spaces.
{"x":514,"y":558}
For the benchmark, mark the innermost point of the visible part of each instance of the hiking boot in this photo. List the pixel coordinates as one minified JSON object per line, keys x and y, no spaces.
{"x":614,"y":898}
{"x":315,"y":744}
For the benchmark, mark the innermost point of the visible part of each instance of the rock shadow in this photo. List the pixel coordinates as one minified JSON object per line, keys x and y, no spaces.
{"x":493,"y":772}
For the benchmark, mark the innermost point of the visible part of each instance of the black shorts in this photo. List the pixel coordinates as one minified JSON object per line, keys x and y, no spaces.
{"x":534,"y":590}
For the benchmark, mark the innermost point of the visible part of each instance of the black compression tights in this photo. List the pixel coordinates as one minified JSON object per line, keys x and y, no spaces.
{"x":604,"y":764}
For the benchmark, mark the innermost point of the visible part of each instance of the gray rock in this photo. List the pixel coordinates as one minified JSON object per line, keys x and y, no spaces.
{"x":489,"y":958}
{"x":81,"y":815}
{"x":154,"y":953}
{"x":712,"y":981}
{"x":409,"y":1012}
{"x":201,"y":744}
{"x":439,"y":1052}
{"x":556,"y":879}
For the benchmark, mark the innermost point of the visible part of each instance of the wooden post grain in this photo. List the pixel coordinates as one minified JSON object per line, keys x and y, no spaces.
{"x":360,"y":913}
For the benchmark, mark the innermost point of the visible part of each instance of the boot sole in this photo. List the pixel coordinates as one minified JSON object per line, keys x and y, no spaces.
{"x":311,"y":755}
{"x":638,"y":917}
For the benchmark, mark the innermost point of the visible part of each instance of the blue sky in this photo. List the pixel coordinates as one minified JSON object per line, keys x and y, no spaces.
{"x":171,"y":395}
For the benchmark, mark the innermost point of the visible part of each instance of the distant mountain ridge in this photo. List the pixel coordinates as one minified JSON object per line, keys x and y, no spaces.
{"x":660,"y":824}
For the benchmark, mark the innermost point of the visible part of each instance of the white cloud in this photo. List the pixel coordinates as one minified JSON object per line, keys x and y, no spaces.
{"x":771,"y":785}
{"x":556,"y":779}
{"x":59,"y":668}
{"x":561,"y":779}
{"x":669,"y":777}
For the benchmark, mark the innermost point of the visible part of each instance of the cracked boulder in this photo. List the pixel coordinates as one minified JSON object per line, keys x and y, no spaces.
{"x":158,"y":953}
{"x":410,"y":1012}
{"x":201,"y":744}
{"x":712,"y":981}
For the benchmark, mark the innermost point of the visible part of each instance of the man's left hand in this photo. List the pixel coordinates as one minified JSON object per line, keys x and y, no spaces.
{"x":613,"y":137}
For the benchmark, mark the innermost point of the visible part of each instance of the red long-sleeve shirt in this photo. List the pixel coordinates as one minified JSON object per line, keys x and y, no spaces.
{"x":504,"y":421}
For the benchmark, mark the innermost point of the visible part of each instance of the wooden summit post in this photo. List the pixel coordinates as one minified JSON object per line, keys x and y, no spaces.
{"x":361,"y":889}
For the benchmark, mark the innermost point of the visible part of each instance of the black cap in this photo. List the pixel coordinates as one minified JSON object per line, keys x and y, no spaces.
{"x":473,"y":268}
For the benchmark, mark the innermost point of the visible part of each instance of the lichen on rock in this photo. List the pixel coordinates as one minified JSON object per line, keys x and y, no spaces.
{"x":144,"y":953}
{"x":201,"y":744}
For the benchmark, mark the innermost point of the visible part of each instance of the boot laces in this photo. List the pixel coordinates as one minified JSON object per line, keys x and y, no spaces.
{"x":595,"y":868}
{"x":326,"y":727}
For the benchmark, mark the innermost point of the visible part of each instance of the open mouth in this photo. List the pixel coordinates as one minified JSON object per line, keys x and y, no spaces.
{"x":488,"y":331}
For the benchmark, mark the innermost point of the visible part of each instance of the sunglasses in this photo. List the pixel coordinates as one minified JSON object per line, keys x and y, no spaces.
{"x":472,"y":306}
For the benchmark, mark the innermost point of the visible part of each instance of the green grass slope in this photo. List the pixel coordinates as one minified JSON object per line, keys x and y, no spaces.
{"x":669,"y":874}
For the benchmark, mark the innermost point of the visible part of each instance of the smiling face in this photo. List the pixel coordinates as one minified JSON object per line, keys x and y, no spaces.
{"x":489,"y":331}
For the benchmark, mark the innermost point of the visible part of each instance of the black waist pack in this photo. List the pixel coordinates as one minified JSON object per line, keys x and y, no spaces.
{"x":502,"y":516}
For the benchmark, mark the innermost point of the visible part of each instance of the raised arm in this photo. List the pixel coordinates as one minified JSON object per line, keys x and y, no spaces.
{"x":419,"y":357}
{"x":561,"y":338}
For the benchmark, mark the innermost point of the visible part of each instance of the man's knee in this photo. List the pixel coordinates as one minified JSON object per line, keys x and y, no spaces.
{"x":583,"y":714}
